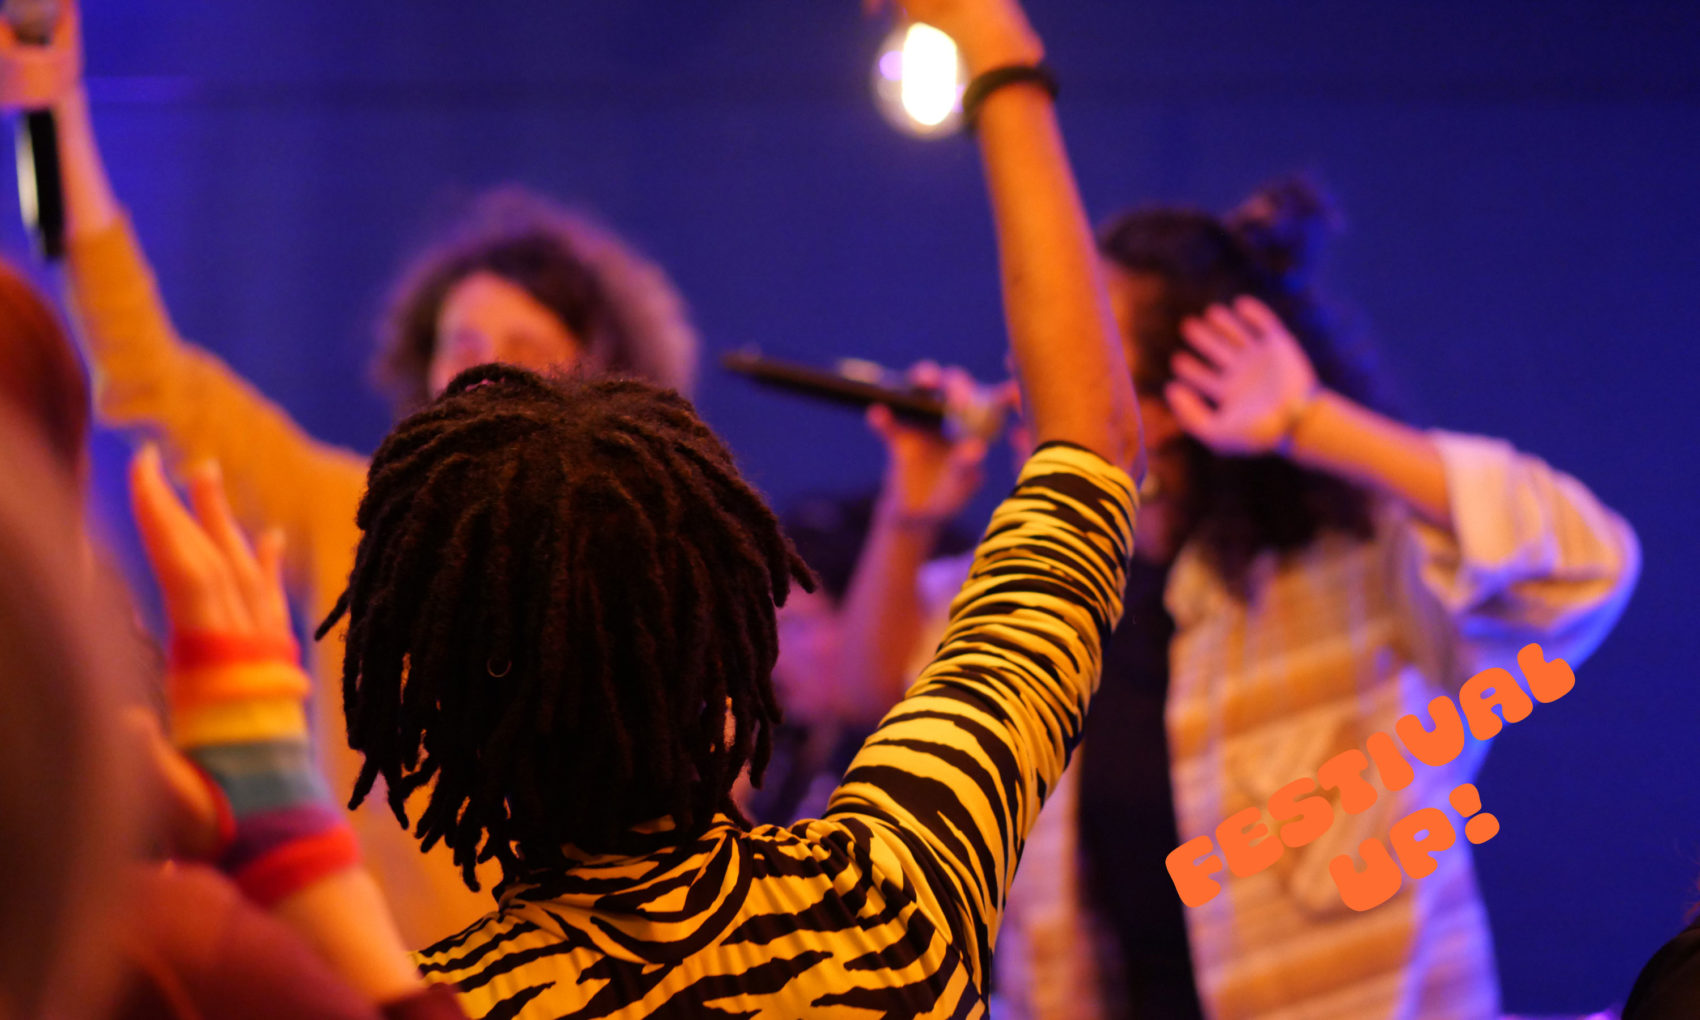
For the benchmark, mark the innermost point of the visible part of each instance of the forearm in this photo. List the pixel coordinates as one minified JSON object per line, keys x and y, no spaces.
{"x":90,"y":205}
{"x":346,"y":920}
{"x":966,"y":758}
{"x":1073,"y":372}
{"x":147,"y":377}
{"x":883,"y":615}
{"x":1530,"y":555}
{"x":1344,"y":438}
{"x":237,"y":712}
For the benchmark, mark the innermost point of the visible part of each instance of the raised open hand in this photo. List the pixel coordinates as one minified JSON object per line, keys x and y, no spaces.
{"x":212,"y":581}
{"x":1252,"y":383}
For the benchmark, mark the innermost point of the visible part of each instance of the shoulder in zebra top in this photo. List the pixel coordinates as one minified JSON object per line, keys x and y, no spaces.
{"x":891,"y":902}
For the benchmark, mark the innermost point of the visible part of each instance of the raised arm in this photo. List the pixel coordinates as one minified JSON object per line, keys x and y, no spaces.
{"x":235,"y":695}
{"x":1494,"y":548}
{"x":952,"y":782}
{"x":146,"y":377}
{"x":928,"y":480}
{"x":1068,"y":355}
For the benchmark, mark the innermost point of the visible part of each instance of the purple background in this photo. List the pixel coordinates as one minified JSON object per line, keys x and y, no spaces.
{"x":1521,"y":181}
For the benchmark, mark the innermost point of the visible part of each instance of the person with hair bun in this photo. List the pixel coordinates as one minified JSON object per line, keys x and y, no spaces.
{"x":520,"y":281}
{"x":1308,"y":569}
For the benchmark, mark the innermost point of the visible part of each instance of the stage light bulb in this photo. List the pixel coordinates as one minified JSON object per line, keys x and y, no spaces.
{"x":918,"y":80}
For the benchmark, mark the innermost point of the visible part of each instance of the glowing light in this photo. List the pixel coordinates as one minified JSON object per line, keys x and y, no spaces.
{"x":929,"y":75}
{"x":918,"y":79}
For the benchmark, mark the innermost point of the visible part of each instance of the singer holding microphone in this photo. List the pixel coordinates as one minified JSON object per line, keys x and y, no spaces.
{"x":1309,"y":570}
{"x":635,"y":889}
{"x":519,"y":282}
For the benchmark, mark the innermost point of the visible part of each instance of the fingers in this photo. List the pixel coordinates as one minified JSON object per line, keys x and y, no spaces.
{"x":269,"y":553}
{"x":272,"y":611}
{"x":64,"y":39}
{"x":962,"y":397}
{"x":883,"y":423}
{"x":1190,"y":410}
{"x":258,"y":576}
{"x":1262,"y":320}
{"x":199,"y":590}
{"x":1210,"y":343}
{"x":968,"y":465}
{"x":212,"y":508}
{"x":1221,"y":320}
{"x":926,"y":375}
{"x":1199,"y":376}
{"x":168,"y":531}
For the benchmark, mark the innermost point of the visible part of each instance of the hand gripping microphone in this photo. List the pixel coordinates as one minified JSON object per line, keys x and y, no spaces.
{"x":855,"y":383}
{"x":39,"y":189}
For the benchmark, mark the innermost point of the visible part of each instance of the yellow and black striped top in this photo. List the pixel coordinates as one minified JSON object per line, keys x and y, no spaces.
{"x":889,"y":906}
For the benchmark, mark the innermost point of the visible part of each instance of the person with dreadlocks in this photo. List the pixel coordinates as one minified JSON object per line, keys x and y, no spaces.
{"x":519,"y":281}
{"x":561,"y":626}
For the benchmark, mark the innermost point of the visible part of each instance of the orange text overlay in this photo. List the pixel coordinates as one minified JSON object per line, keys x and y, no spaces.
{"x":1301,"y":814}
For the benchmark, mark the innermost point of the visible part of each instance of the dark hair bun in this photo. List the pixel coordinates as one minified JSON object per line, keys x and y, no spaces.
{"x":1285,"y":225}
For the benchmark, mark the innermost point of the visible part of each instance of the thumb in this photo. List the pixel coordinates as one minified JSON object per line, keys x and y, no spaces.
{"x":882,"y":423}
{"x":969,"y":454}
{"x":1190,"y":410}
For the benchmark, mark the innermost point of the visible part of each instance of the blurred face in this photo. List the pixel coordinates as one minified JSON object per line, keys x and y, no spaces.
{"x":485,"y":318}
{"x":804,"y":678}
{"x":1154,"y":539}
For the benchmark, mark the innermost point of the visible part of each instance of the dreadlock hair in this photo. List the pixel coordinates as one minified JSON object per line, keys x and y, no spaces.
{"x":562,"y":591}
{"x":1239,"y":507}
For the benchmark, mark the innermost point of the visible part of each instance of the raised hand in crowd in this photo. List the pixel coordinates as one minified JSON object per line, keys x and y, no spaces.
{"x":236,"y":698}
{"x":1249,"y":383}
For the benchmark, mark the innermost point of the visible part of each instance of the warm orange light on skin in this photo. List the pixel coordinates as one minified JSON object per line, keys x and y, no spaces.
{"x":486,"y":318}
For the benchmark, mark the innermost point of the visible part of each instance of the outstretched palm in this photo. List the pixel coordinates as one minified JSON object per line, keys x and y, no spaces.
{"x":1243,"y":394}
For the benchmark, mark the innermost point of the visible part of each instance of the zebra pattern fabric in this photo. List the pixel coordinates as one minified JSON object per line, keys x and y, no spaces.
{"x":889,"y":906}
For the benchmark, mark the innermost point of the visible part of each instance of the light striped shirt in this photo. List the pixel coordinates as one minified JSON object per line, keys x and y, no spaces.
{"x":1334,"y":643}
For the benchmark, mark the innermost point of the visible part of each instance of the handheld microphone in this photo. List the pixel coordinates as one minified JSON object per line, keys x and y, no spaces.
{"x":861,"y":384}
{"x":40,"y":191}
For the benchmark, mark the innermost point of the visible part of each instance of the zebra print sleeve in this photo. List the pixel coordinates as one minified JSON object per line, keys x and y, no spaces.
{"x":952,"y":781}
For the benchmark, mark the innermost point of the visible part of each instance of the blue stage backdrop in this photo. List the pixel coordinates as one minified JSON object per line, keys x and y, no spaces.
{"x":1519,"y":180}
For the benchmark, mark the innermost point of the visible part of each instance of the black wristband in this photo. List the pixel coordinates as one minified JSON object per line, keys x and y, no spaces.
{"x":983,"y":85}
